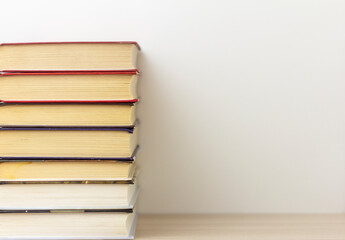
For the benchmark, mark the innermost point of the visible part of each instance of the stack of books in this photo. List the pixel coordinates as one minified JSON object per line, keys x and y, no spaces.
{"x":68,"y":140}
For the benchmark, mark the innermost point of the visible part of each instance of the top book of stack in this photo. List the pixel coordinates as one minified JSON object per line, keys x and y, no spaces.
{"x":70,"y":56}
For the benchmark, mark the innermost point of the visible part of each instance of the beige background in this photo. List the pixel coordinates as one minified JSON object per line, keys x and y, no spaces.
{"x":243,"y":102}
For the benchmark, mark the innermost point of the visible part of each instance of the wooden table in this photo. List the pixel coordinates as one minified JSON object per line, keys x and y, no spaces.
{"x":241,"y":227}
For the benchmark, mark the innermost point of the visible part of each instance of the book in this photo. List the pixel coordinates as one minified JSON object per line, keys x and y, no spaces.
{"x":27,"y":197}
{"x":68,"y":56}
{"x":68,"y":85}
{"x":62,"y":171}
{"x":67,"y":225}
{"x":68,"y":143}
{"x":73,"y":114}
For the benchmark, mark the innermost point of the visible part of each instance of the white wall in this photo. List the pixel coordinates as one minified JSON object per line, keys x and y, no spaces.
{"x":243,"y":102}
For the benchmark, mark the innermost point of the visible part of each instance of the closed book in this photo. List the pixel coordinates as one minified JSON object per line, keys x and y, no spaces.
{"x":111,"y":143}
{"x":63,"y":171}
{"x":67,"y":225}
{"x":29,"y":197}
{"x":68,"y":85}
{"x":68,"y":56}
{"x":76,"y":114}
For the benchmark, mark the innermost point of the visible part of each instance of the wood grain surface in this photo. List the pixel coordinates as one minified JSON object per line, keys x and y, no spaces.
{"x":241,"y":227}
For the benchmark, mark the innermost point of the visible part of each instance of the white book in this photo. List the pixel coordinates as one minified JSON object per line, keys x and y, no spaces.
{"x":58,"y":226}
{"x":67,"y":196}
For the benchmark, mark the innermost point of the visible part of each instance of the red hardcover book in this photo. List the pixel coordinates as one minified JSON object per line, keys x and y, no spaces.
{"x":69,"y":86}
{"x":60,"y":56}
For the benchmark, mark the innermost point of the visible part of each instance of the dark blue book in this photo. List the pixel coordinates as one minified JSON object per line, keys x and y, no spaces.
{"x":20,"y":143}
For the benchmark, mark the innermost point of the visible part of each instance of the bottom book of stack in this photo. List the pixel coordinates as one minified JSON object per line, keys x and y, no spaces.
{"x":75,"y":205}
{"x":67,"y":225}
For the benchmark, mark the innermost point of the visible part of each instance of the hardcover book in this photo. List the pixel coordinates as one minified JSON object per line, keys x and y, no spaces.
{"x":68,"y":56}
{"x":51,"y":197}
{"x":68,"y":85}
{"x":67,"y":225}
{"x":68,"y":143}
{"x":72,"y":114}
{"x":63,"y":171}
